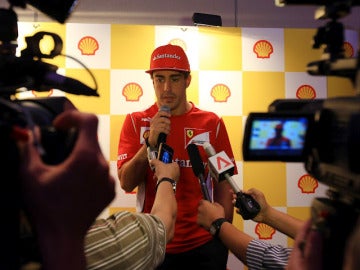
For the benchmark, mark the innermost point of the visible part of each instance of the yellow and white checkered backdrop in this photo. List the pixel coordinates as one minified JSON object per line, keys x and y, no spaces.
{"x":235,"y":71}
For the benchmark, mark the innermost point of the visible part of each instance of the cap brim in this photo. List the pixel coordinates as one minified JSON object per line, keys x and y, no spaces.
{"x":175,"y":69}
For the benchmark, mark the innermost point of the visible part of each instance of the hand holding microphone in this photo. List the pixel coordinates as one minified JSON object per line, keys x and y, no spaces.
{"x":222,"y":168}
{"x":162,"y":136}
{"x":161,"y":151}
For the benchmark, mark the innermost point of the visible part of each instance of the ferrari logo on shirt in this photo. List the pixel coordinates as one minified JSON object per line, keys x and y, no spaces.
{"x":196,"y":135}
{"x":189,"y":133}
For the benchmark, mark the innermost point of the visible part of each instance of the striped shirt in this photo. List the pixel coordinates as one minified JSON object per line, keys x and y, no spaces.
{"x":125,"y":240}
{"x":263,"y":255}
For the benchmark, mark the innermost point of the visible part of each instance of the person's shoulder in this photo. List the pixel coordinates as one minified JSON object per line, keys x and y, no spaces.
{"x":147,"y":112}
{"x":200,"y":111}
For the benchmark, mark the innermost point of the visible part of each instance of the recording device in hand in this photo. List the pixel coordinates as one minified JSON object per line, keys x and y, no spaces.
{"x":165,"y":153}
{"x":162,"y":136}
{"x":198,"y":168}
{"x":24,"y":73}
{"x":325,"y":132}
{"x":222,"y":168}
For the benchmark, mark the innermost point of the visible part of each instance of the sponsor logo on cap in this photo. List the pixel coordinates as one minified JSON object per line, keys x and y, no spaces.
{"x":166,"y":55}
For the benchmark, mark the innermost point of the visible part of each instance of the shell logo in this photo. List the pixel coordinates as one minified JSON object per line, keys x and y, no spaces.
{"x":305,"y":91}
{"x":88,"y":45}
{"x":42,"y":94}
{"x":348,"y":50}
{"x":307,"y":184}
{"x":178,"y":42}
{"x":220,"y":92}
{"x":132,"y":91}
{"x":263,"y":49}
{"x":264,"y":231}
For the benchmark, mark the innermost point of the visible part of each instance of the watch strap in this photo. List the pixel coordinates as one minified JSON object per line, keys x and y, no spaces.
{"x":216,"y":224}
{"x":172,"y":181}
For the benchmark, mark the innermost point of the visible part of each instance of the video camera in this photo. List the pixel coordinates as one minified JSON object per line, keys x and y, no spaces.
{"x":27,"y":73}
{"x":324,"y":134}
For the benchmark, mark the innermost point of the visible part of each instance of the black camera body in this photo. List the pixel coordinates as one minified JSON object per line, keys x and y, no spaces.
{"x":54,"y":145}
{"x":19,"y":116}
{"x":327,"y":140}
{"x":324,"y":134}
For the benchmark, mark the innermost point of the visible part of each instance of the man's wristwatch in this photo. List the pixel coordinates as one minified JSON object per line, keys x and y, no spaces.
{"x":216,"y":225}
{"x":173,"y":182}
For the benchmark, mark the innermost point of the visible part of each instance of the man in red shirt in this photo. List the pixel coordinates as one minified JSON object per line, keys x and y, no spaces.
{"x":278,"y":141}
{"x":192,"y":246}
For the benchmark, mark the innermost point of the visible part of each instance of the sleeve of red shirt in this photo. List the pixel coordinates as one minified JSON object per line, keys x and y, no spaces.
{"x":129,"y":141}
{"x":222,"y":142}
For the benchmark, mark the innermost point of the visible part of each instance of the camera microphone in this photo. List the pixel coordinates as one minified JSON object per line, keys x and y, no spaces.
{"x":222,"y":168}
{"x":198,"y":168}
{"x":69,"y":85}
{"x":162,"y":136}
{"x":39,"y":76}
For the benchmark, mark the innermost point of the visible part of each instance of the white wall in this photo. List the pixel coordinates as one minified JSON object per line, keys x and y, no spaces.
{"x":242,"y":13}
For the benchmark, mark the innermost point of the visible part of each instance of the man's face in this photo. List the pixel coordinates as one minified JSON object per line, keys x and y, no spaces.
{"x":170,"y":87}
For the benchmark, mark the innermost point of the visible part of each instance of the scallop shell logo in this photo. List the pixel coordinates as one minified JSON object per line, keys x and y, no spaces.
{"x":307,"y":184}
{"x":178,"y":42}
{"x":348,"y":50}
{"x":263,"y":49}
{"x":42,"y":94}
{"x":220,"y":93}
{"x":132,"y":92}
{"x":88,"y":45}
{"x":264,"y":231}
{"x":306,"y":91}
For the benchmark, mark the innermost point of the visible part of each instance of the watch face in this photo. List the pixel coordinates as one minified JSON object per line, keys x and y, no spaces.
{"x":212,"y":230}
{"x":215,"y":226}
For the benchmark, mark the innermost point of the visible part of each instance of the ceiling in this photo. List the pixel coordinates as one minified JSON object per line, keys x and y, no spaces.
{"x":238,"y":13}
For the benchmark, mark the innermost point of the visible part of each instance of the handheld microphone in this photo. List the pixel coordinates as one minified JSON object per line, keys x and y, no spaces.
{"x":198,"y":168}
{"x":162,"y":136}
{"x":222,"y":168}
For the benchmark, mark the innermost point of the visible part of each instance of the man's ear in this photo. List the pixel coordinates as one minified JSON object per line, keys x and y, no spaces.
{"x":188,"y":81}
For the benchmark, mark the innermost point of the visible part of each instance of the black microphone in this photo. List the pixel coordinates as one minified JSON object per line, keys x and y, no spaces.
{"x":69,"y":85}
{"x":198,"y":168}
{"x":162,"y":136}
{"x":37,"y":75}
{"x":222,"y":168}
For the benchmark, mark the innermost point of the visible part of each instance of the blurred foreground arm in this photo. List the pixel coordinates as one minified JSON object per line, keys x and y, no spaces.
{"x":62,"y":201}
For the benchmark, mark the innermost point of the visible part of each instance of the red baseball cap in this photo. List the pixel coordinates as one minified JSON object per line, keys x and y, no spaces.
{"x":170,"y":57}
{"x":279,"y":126}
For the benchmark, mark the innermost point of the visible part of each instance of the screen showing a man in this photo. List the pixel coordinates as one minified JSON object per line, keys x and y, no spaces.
{"x":279,"y":140}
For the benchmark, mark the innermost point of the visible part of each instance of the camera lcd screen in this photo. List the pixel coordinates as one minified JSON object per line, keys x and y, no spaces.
{"x":276,"y":136}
